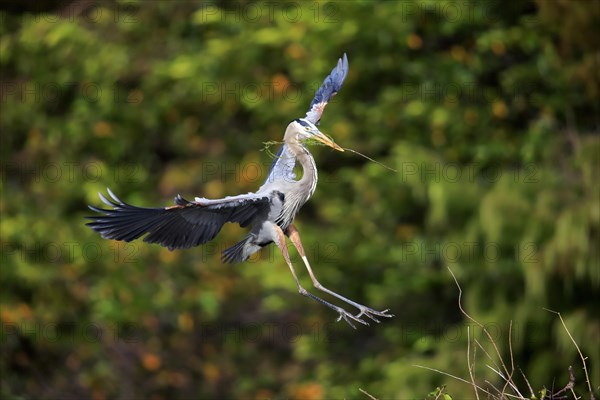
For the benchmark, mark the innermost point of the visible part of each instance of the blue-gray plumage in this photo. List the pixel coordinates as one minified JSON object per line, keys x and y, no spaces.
{"x":270,"y":211}
{"x":331,"y":85}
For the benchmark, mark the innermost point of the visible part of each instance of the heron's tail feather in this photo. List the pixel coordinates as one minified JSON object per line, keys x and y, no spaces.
{"x":241,"y":251}
{"x":235,"y":253}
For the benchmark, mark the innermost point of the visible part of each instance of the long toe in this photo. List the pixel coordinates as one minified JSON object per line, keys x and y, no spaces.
{"x":368,"y":314}
{"x":383,"y":313}
{"x":349,"y":318}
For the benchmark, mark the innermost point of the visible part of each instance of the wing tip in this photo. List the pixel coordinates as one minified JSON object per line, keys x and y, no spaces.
{"x":341,"y":71}
{"x":345,"y":67}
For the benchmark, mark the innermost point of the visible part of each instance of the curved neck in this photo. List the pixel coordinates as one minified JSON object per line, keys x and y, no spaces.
{"x":307,"y":161}
{"x":309,"y":169}
{"x":296,"y":192}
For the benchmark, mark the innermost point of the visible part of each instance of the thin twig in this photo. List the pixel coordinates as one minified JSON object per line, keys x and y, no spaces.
{"x":494,"y":387}
{"x":267,"y":147}
{"x":469,"y":365}
{"x":569,"y":385}
{"x":368,"y":394}
{"x":451,"y":376}
{"x":510,"y":351}
{"x":489,"y":336}
{"x":439,"y":393}
{"x":512,"y":361}
{"x":503,"y":394}
{"x":508,"y":383}
{"x":370,"y":159}
{"x":474,"y":357}
{"x":528,"y":384}
{"x":486,"y":353}
{"x":313,"y":142}
{"x":587,"y":377}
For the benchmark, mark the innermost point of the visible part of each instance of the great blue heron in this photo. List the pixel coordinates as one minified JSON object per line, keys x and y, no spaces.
{"x":270,"y":211}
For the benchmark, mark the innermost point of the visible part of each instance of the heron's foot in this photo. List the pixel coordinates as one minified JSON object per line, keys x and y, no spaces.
{"x":369,"y":312}
{"x":348,"y":317}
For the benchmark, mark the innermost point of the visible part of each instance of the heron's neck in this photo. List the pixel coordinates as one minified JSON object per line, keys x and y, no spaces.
{"x":309,"y":169}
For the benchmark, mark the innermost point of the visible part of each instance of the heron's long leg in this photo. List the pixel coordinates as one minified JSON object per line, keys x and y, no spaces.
{"x":294,"y":236}
{"x":286,"y":255}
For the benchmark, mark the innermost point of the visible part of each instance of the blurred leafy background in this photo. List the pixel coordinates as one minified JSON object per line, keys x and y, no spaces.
{"x":488,"y":110}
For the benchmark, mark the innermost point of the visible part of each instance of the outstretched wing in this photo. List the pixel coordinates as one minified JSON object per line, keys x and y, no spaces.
{"x":330,"y":86}
{"x":183,"y":225}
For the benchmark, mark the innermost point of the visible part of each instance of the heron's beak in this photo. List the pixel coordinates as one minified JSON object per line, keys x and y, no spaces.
{"x":320,"y":136}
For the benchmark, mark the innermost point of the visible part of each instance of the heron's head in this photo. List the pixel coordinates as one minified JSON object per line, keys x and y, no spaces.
{"x":304,"y":130}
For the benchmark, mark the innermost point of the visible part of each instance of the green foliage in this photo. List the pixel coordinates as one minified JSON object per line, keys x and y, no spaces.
{"x":487,"y":110}
{"x":438,"y":393}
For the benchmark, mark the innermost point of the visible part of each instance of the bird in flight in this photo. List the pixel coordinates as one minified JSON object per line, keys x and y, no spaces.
{"x":269,"y":212}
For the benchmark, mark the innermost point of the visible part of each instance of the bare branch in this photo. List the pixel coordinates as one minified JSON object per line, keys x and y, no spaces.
{"x":489,"y":336}
{"x":486,"y":353}
{"x":451,"y":376}
{"x":510,"y":349}
{"x":469,"y":365}
{"x":368,"y":394}
{"x":509,"y":382}
{"x":502,"y":395}
{"x":569,"y":385}
{"x":587,"y":377}
{"x":528,"y":384}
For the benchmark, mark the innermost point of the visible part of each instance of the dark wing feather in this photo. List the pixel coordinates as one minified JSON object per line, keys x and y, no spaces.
{"x":330,"y":86}
{"x":184,"y":225}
